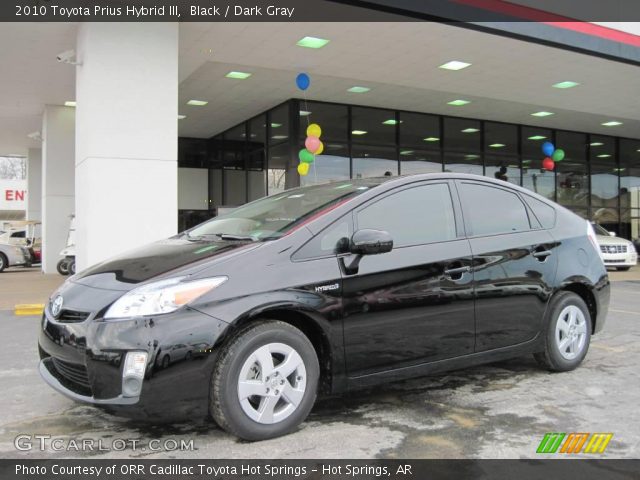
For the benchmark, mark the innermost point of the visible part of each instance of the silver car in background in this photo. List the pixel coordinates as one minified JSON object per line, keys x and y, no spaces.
{"x":13,"y":255}
{"x":616,"y":252}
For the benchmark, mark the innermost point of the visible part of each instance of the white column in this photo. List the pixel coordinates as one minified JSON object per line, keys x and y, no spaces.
{"x":58,"y":202}
{"x":34,"y":184}
{"x":126,"y":137}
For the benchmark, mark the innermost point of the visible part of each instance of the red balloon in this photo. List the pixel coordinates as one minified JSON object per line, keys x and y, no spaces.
{"x":548,"y":164}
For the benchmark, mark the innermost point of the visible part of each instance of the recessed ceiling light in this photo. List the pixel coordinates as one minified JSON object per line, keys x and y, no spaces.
{"x":312,"y":42}
{"x":70,"y":103}
{"x":458,"y":103}
{"x":356,"y":89}
{"x":304,"y":113}
{"x":471,"y":156}
{"x":238,"y":75}
{"x":596,"y":144}
{"x":358,"y":132}
{"x":567,"y":84}
{"x":197,"y":103}
{"x":526,"y":161}
{"x":604,"y":155}
{"x":431,"y":139}
{"x":619,"y":169}
{"x":542,"y":114}
{"x":638,"y":150}
{"x":276,"y":125}
{"x":406,"y":152}
{"x":454,"y":65}
{"x":537,"y":137}
{"x":279,"y":137}
{"x":181,"y":117}
{"x":470,"y":130}
{"x":612,"y":123}
{"x":391,"y":121}
{"x":497,"y":145}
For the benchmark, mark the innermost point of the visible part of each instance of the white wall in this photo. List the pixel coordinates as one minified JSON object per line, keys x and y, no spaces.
{"x":193,"y":188}
{"x":34,"y":184}
{"x":127,"y":137}
{"x":58,"y":181}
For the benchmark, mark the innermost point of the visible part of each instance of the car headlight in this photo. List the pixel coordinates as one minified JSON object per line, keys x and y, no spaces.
{"x":161,"y":297}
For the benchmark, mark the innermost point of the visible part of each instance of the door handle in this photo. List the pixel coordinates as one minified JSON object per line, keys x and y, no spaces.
{"x":541,"y":254}
{"x":451,"y":272}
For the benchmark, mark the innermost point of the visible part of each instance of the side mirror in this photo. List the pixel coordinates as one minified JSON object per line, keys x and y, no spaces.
{"x":613,"y":234}
{"x":370,"y":242}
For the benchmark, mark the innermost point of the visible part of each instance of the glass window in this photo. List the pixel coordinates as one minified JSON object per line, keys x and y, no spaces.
{"x":571,"y":173}
{"x":278,"y":167}
{"x":463,"y":163}
{"x":501,"y":139}
{"x":257,"y":133}
{"x":333,"y":119}
{"x":193,"y":153}
{"x":279,"y":124}
{"x":332,"y":165}
{"x":419,"y":161}
{"x":502,"y":167}
{"x":534,"y":177}
{"x":604,"y":171}
{"x":419,"y":130}
{"x":545,"y":214}
{"x":373,"y":126}
{"x":462,"y":135}
{"x":490,"y":211}
{"x":370,"y":161}
{"x":332,"y":240}
{"x":427,"y":215}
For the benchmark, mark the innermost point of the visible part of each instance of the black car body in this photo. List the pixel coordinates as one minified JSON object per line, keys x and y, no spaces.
{"x":471,"y":278}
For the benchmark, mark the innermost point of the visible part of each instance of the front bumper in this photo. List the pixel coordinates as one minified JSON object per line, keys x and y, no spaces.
{"x":83,"y":359}
{"x":629,"y":259}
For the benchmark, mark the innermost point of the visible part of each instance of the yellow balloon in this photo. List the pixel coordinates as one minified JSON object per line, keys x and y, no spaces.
{"x":303,"y":168}
{"x":314,"y":130}
{"x":320,"y":149}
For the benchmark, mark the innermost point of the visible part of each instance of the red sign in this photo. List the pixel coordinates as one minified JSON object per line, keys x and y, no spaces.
{"x":14,"y":195}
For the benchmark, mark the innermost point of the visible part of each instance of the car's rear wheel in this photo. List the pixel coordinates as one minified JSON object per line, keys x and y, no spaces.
{"x":568,"y":333}
{"x":265,"y":381}
{"x":3,"y":262}
{"x":63,"y":267}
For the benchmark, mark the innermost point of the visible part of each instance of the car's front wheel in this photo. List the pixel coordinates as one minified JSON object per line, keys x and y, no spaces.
{"x":265,"y":381}
{"x":568,"y":333}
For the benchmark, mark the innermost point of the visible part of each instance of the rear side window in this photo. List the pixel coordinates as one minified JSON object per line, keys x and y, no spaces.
{"x":414,"y":216}
{"x":491,"y":211}
{"x":545,"y":214}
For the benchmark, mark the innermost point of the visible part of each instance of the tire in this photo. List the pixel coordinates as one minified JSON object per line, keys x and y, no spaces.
{"x":623,"y":269}
{"x":279,"y":363}
{"x":4,"y":263}
{"x":561,"y":354}
{"x":62,"y":267}
{"x":166,"y":361}
{"x":72,"y":267}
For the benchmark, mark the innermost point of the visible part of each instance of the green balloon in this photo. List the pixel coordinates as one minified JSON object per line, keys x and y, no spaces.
{"x":558,"y":155}
{"x":306,"y":156}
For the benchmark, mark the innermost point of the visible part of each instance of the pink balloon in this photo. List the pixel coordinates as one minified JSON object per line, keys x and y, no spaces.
{"x":312,"y":144}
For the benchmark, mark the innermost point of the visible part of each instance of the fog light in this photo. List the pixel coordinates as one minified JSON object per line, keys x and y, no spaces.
{"x":135,"y":364}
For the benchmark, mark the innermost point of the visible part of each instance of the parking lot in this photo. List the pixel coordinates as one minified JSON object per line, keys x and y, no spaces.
{"x":500,"y":410}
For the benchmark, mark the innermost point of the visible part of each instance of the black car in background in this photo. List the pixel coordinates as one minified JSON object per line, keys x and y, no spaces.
{"x":325,"y":289}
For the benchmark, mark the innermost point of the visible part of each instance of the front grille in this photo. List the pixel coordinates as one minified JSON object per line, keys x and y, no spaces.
{"x":72,"y":316}
{"x":613,"y":248}
{"x":73,"y":372}
{"x":614,"y":261}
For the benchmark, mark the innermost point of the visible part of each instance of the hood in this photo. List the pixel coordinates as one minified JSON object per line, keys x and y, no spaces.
{"x":609,"y":240}
{"x":172,"y":257}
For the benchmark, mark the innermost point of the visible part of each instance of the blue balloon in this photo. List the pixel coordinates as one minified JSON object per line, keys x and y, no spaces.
{"x":548,"y":149}
{"x":303,"y":81}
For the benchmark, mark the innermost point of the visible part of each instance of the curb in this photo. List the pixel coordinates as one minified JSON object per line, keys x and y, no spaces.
{"x":29,"y":309}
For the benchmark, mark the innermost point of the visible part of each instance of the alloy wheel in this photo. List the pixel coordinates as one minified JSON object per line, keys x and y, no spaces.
{"x":571,"y":332}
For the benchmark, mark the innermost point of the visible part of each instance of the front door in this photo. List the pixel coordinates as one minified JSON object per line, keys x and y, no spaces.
{"x":414,"y":304}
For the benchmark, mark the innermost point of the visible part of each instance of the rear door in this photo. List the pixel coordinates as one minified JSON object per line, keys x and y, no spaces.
{"x":514,"y":264}
{"x":414,"y":304}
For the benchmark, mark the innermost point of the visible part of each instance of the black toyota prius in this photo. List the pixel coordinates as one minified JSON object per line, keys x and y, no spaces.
{"x":323,"y":289}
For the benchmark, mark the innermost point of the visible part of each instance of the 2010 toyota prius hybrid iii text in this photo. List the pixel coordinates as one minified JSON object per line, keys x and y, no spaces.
{"x":324,"y":289}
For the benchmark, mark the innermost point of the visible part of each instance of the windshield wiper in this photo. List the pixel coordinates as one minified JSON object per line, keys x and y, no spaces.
{"x":240,"y":238}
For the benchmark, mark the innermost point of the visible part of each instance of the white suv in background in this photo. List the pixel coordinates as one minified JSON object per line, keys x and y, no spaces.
{"x":616,"y":252}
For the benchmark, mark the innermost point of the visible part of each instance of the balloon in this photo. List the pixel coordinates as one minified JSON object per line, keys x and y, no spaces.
{"x":303,"y":81}
{"x":558,"y":155}
{"x":303,"y":169}
{"x":305,"y":156}
{"x":312,"y":144}
{"x":548,"y":148}
{"x":320,"y":149}
{"x":548,"y":164}
{"x":314,"y":130}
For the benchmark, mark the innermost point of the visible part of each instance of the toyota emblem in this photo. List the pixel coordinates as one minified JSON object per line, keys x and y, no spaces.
{"x":56,"y":305}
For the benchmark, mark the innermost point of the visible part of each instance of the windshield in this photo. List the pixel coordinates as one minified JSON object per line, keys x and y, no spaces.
{"x":272,"y":217}
{"x":600,"y":230}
